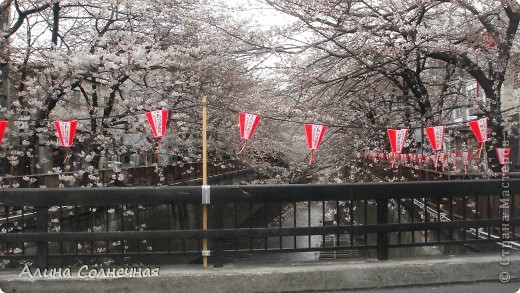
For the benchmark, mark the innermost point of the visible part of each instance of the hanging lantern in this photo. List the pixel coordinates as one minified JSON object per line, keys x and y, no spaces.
{"x":157,"y":120}
{"x":479,"y":128}
{"x":247,"y":124}
{"x":315,"y":133}
{"x":503,"y":155}
{"x":436,"y":136}
{"x":66,"y":130}
{"x":397,"y":138}
{"x":3,"y":127}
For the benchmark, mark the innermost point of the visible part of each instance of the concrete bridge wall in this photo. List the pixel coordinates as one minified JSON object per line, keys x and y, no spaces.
{"x":288,"y":277}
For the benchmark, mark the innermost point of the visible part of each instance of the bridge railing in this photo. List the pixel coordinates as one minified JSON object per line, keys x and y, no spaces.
{"x":162,"y":224}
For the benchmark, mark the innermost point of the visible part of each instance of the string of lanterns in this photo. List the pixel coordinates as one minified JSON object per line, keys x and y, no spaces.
{"x":157,"y":120}
{"x":435,"y":136}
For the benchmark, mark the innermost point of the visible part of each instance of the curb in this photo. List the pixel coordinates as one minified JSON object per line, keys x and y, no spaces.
{"x":298,"y":277}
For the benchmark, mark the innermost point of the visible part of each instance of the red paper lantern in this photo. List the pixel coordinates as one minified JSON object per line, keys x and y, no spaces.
{"x":503,"y":155}
{"x":248,"y":124}
{"x":479,"y":128}
{"x":397,"y":138}
{"x":315,"y":133}
{"x":157,"y":120}
{"x":436,"y":136}
{"x":66,"y":130}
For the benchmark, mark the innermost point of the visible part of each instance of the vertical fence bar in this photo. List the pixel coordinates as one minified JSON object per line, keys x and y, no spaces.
{"x":438,"y":218}
{"x":76,"y":227}
{"x":412,"y":217}
{"x":138,"y":224}
{"x":399,"y":219}
{"x":426,"y":218}
{"x":60,"y":222}
{"x":338,"y":222}
{"x":23,"y":225}
{"x":41,"y":247}
{"x":250,"y":221}
{"x":106,"y":214}
{"x":464,"y":217}
{"x":92,"y":228}
{"x":382,"y":236}
{"x":266,"y":224}
{"x":7,"y":221}
{"x":477,"y":207}
{"x":280,"y":212}
{"x":365,"y":221}
{"x":451,"y":216}
{"x":169,"y":212}
{"x":294,"y":222}
{"x":323,"y":222}
{"x":217,"y":219}
{"x":351,"y":220}
{"x":309,"y":224}
{"x":235,"y":212}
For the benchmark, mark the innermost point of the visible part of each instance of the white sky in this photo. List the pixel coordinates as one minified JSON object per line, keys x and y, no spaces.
{"x":258,"y":12}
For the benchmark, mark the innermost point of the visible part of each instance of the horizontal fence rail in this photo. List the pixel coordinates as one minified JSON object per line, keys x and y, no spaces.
{"x":146,"y":224}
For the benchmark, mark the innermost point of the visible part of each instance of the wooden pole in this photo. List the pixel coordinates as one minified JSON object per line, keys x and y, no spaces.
{"x":204,"y":143}
{"x":204,"y":180}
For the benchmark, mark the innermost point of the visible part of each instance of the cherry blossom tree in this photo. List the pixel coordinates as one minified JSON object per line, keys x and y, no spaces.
{"x":359,"y":56}
{"x":357,"y":66}
{"x":106,"y":63}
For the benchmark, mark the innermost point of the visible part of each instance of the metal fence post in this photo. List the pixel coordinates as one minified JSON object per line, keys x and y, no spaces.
{"x":218,"y":243}
{"x":382,"y":236}
{"x":41,"y":247}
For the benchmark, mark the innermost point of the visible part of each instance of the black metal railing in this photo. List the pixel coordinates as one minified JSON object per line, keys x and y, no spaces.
{"x":162,"y":224}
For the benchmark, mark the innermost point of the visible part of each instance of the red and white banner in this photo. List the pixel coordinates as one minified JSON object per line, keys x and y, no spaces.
{"x":315,"y":133}
{"x":479,"y":128}
{"x":157,"y":120}
{"x":503,"y":155}
{"x":436,"y":137}
{"x":66,"y":130}
{"x":3,"y":127}
{"x":397,"y":139}
{"x":248,"y":124}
